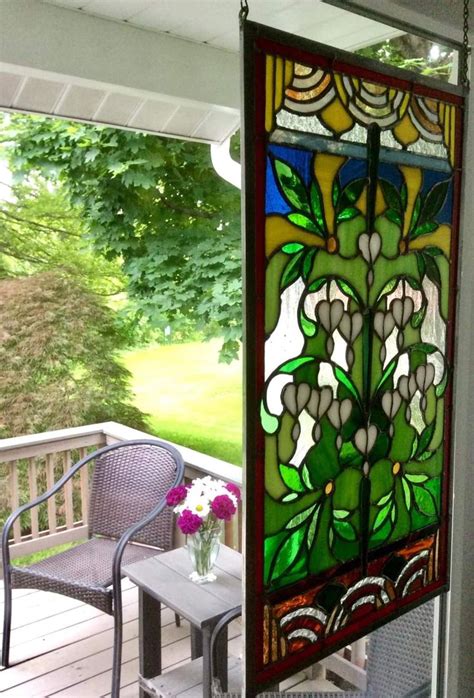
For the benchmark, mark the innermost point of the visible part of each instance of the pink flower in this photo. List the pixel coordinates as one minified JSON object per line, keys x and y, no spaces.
{"x":223,"y":507}
{"x":176,"y":495}
{"x":233,"y":489}
{"x":188,"y":522}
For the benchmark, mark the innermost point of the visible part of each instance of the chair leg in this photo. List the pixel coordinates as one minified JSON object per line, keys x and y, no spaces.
{"x":177,"y":620}
{"x":7,"y":620}
{"x":117,"y":655}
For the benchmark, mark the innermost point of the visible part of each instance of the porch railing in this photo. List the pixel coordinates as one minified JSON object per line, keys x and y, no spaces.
{"x":31,"y":464}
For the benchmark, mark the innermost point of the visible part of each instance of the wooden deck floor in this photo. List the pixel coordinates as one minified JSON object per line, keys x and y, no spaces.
{"x":63,"y":648}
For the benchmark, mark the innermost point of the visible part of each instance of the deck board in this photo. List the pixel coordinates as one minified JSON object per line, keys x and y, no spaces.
{"x":63,"y":648}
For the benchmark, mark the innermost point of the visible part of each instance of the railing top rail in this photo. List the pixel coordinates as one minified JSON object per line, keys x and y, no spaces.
{"x":32,"y":445}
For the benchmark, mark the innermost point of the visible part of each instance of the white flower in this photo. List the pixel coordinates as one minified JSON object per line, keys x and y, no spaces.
{"x":199,"y":506}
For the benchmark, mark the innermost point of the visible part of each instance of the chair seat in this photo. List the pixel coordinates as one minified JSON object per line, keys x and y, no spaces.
{"x":83,"y":572}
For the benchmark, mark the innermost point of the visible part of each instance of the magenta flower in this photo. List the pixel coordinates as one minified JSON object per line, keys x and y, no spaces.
{"x":188,"y":522}
{"x":176,"y":495}
{"x":223,"y":507}
{"x":233,"y":489}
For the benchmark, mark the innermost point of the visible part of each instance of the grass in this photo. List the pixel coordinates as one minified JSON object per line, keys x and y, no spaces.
{"x":42,"y":554}
{"x":191,"y":398}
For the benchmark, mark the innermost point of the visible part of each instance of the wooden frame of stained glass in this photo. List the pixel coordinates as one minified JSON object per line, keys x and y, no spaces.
{"x":351,"y":213}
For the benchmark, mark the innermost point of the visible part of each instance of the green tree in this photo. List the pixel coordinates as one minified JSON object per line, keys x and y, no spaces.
{"x":59,"y":345}
{"x":40,"y":231}
{"x":155,"y":204}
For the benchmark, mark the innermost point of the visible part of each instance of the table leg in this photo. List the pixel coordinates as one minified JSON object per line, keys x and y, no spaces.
{"x":149,"y":630}
{"x":221,"y":660}
{"x":196,"y":642}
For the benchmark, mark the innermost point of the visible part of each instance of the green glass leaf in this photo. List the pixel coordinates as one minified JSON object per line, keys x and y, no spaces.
{"x":441,"y":387}
{"x":387,"y":373}
{"x":434,"y":201}
{"x":388,"y":288}
{"x":418,"y":317}
{"x":347,"y":214}
{"x":383,"y":500}
{"x":424,"y":501}
{"x":393,"y":216}
{"x":292,"y":270}
{"x":292,"y":186}
{"x":433,"y":251}
{"x":347,"y":381}
{"x":412,"y":477}
{"x":293,"y":364}
{"x":270,"y":423}
{"x":347,"y":289}
{"x":317,"y":206}
{"x":424,"y":347}
{"x":351,"y":193}
{"x":336,"y":192}
{"x":423,"y":229}
{"x":420,"y":262}
{"x":292,"y":247}
{"x":271,"y":546}
{"x":317,"y":284}
{"x":416,"y":212}
{"x":289,"y":497}
{"x":432,"y":271}
{"x":391,"y":196}
{"x":382,"y":516}
{"x":308,"y":262}
{"x":404,"y":195}
{"x":425,"y":438}
{"x":308,"y":327}
{"x":288,"y":552}
{"x":414,"y":447}
{"x":305,"y":476}
{"x":344,"y":530}
{"x":300,"y":518}
{"x":312,"y":527}
{"x":302,"y":221}
{"x":291,"y":477}
{"x":406,"y":493}
{"x":340,"y":514}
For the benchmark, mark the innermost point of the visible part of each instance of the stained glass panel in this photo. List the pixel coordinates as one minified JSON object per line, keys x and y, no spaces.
{"x":352,"y":193}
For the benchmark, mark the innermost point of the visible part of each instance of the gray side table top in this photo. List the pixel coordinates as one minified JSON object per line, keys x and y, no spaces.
{"x":166,"y":578}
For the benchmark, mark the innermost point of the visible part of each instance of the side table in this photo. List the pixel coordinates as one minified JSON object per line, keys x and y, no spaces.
{"x":165,"y":579}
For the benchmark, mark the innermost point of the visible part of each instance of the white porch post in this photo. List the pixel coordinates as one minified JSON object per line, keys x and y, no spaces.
{"x":459,"y":668}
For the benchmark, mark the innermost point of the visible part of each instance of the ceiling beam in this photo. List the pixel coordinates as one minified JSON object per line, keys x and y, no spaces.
{"x":49,"y":41}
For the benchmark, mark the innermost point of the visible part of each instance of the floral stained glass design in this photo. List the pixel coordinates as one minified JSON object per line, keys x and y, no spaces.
{"x":353,"y":226}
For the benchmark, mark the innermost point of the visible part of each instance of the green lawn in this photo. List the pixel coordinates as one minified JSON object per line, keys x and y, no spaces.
{"x":191,"y":398}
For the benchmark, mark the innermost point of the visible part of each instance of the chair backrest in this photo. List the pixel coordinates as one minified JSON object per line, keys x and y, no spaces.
{"x":400,"y":654}
{"x":128,"y":482}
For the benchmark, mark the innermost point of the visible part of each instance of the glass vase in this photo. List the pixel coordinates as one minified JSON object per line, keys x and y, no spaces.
{"x":203,"y":548}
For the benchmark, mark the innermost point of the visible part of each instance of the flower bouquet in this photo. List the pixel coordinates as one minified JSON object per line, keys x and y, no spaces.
{"x":201,"y":506}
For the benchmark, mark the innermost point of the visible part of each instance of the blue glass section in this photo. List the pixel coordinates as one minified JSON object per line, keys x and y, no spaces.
{"x":300,"y":160}
{"x":352,"y":169}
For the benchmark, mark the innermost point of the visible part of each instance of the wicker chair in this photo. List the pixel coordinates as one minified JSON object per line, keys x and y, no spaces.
{"x":128,"y":521}
{"x":399,"y":660}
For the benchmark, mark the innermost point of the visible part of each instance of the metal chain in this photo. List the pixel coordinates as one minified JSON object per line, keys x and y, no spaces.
{"x":244,"y":11}
{"x":466,"y":49}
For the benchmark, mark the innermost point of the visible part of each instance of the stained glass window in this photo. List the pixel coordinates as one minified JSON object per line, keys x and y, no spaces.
{"x":351,"y":200}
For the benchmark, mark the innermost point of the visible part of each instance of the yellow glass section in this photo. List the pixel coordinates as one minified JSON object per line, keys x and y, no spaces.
{"x":405,"y":132}
{"x":279,"y":230}
{"x":441,"y":238}
{"x":326,"y":168}
{"x":336,"y":118}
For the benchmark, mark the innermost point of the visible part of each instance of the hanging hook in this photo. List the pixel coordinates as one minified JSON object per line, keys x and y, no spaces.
{"x":244,"y":11}
{"x":466,"y":49}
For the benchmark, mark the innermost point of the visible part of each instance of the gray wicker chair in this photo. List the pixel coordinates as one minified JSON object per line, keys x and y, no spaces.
{"x":399,"y":660}
{"x":128,"y":521}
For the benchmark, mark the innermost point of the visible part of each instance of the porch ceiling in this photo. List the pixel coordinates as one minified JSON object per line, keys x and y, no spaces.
{"x":163,"y":66}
